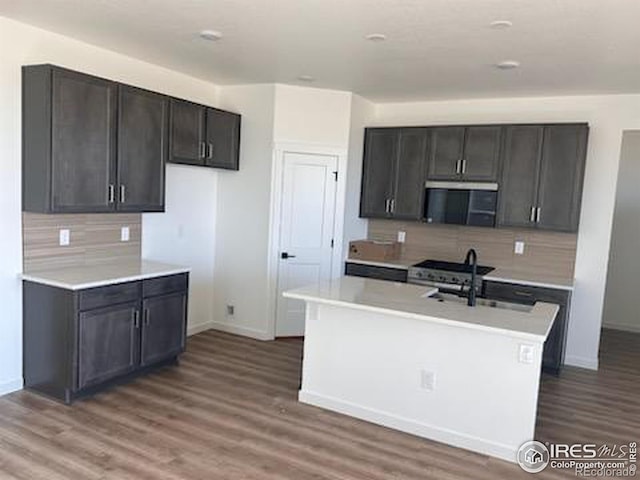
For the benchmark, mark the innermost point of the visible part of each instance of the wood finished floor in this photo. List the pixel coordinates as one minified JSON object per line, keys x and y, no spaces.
{"x":229,"y":411}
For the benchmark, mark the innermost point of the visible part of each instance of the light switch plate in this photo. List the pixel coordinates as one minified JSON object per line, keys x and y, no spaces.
{"x":125,"y":234}
{"x":65,"y":237}
{"x":402,"y":236}
{"x":519,"y":248}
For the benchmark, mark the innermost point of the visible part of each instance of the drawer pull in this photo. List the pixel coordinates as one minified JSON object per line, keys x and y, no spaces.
{"x":522,"y":294}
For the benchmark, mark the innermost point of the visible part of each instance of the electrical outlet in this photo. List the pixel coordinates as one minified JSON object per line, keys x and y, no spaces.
{"x":65,"y":237}
{"x":402,"y":236}
{"x":231,"y":310}
{"x":427,"y":380}
{"x":519,"y":248}
{"x":124,"y":234}
{"x":526,"y":353}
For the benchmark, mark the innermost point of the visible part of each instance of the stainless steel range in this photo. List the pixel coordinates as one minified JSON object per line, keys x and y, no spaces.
{"x":449,"y":276}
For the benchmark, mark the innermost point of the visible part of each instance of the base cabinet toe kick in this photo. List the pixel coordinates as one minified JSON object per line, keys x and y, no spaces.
{"x":79,"y":342}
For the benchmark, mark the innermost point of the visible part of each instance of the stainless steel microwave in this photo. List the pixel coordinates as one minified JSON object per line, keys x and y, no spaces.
{"x":461,"y":203}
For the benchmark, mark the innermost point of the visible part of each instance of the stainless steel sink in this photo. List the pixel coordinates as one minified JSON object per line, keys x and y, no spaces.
{"x":481,"y":302}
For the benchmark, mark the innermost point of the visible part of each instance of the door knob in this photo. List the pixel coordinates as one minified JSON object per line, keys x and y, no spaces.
{"x":285,"y":255}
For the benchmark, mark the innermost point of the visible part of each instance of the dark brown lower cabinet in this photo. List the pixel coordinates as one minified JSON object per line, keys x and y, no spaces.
{"x":162,"y":336}
{"x":553,"y":354}
{"x":76,"y":343}
{"x":372,"y":271}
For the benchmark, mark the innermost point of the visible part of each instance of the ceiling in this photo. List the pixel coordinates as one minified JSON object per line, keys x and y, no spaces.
{"x":435,"y":49}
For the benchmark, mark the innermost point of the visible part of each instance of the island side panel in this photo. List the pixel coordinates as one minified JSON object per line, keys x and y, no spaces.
{"x":378,"y":367}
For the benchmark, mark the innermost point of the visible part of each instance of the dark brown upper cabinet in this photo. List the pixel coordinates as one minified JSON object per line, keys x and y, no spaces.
{"x":542,"y":176}
{"x":143,"y":146}
{"x":465,"y":153}
{"x":394,"y":173}
{"x":69,"y":125}
{"x":204,"y":136}
{"x":91,"y":145}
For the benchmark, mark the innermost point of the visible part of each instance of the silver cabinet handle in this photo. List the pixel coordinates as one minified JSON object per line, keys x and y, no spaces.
{"x":146,"y":317}
{"x":123,"y":194}
{"x":532,"y":216}
{"x":112,"y":193}
{"x":136,"y":319}
{"x":203,"y":147}
{"x":210,"y":152}
{"x":538,"y":214}
{"x":464,"y":166}
{"x":386,"y":205}
{"x":458,"y":166}
{"x":392,"y":205}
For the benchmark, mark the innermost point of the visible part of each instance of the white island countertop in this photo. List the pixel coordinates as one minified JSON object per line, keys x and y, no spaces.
{"x":412,"y":301}
{"x":90,"y":276}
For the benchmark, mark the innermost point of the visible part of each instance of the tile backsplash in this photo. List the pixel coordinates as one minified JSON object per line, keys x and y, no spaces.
{"x":545,"y":253}
{"x":94,"y":239}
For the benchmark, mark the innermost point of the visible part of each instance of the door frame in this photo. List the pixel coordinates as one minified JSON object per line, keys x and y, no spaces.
{"x":280,"y":149}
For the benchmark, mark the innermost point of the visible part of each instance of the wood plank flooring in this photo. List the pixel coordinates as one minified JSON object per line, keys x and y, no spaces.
{"x":229,"y":411}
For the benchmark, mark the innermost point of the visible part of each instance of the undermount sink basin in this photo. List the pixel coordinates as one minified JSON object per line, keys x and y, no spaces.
{"x":481,"y":302}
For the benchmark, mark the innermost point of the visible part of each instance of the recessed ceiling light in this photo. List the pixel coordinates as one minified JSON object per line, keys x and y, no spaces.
{"x":376,"y":37}
{"x":501,"y":24}
{"x":306,"y":78}
{"x":507,"y":64}
{"x":211,"y":35}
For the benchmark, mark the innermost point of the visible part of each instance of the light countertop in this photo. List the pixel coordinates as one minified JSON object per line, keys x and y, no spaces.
{"x":503,"y":275}
{"x":411,"y":301}
{"x":79,"y":278}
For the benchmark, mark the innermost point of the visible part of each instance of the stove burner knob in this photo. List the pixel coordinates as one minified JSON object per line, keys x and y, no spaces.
{"x":455,"y":279}
{"x":419,"y":274}
{"x":442,"y":279}
{"x":430,"y":276}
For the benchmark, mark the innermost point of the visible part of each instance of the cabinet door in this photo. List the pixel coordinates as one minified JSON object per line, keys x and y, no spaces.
{"x":520,"y":176}
{"x":447,"y":148}
{"x":164,"y":327}
{"x":187,"y":133}
{"x":143,"y":121}
{"x":561,"y":177}
{"x":408,"y":196}
{"x":223,"y":139}
{"x":82,"y":143}
{"x":380,"y":156}
{"x":481,"y":159}
{"x":108,"y":343}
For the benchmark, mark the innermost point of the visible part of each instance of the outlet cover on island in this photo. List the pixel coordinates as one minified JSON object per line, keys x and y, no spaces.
{"x":124,"y":234}
{"x":402,"y":236}
{"x":65,"y":237}
{"x":427,"y":380}
{"x":519,"y":249}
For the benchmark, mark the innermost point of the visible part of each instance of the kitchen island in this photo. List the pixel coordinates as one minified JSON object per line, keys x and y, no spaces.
{"x":414,"y":360}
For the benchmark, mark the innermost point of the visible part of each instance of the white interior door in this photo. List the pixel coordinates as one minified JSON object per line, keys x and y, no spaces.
{"x":306,"y":231}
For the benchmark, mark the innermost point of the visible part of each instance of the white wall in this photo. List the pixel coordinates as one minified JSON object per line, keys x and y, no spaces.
{"x":621,"y":305}
{"x":242,"y":229}
{"x":185,"y":235}
{"x":312,"y":116}
{"x":362,"y":114}
{"x":22,"y":45}
{"x":608,"y":116}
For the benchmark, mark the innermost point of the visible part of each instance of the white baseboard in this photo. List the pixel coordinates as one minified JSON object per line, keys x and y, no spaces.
{"x":239,"y":330}
{"x":625,"y":327}
{"x":581,"y":362}
{"x":12,"y":386}
{"x":201,"y":327}
{"x":431,"y":432}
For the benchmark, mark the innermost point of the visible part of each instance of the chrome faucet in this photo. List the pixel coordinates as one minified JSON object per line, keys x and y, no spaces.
{"x":472,"y":259}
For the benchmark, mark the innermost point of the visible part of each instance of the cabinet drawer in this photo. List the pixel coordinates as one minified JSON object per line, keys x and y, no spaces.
{"x":110,"y":295}
{"x":163,"y":285}
{"x":380,"y":273}
{"x":525,"y":293}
